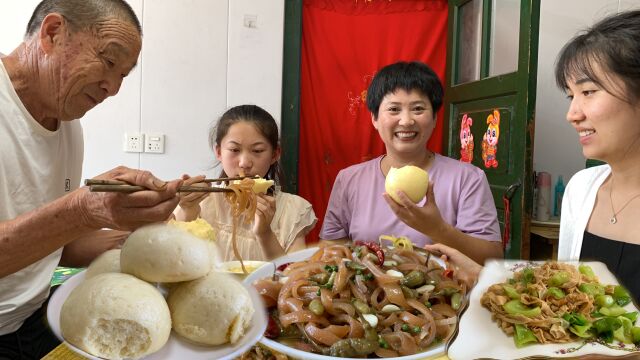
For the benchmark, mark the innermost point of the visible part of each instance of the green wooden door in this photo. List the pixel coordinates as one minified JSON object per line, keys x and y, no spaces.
{"x":490,"y":101}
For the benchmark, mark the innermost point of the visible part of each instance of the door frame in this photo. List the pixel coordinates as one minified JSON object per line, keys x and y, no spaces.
{"x":495,"y":86}
{"x":290,"y":122}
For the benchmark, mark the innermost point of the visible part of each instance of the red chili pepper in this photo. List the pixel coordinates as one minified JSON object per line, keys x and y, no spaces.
{"x":448,"y":273}
{"x":373,"y":247}
{"x":283,"y":266}
{"x":273,"y":329}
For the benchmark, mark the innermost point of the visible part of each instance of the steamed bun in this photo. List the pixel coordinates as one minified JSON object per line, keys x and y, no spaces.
{"x":164,"y":253}
{"x":412,"y":180}
{"x":116,"y":316}
{"x":107,"y":262}
{"x":212,"y":310}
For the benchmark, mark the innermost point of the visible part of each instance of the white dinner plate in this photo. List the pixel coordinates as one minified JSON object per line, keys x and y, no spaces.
{"x":267,"y":271}
{"x":480,"y":337}
{"x":176,"y":347}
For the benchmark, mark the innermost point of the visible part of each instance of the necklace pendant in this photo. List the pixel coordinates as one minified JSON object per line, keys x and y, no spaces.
{"x":613,"y":220}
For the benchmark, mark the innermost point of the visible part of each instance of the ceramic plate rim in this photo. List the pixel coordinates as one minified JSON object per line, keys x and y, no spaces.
{"x":176,"y":346}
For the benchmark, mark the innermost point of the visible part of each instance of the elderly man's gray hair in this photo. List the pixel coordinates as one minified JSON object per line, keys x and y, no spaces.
{"x":81,"y":14}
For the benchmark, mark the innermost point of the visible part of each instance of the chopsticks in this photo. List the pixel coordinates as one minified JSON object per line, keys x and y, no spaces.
{"x":90,"y":182}
{"x":123,"y":187}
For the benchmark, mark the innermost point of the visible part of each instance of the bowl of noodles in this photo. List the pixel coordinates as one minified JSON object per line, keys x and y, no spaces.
{"x":359,"y":300}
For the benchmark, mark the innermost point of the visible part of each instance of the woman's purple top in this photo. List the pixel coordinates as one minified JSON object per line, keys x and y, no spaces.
{"x":357,"y":210}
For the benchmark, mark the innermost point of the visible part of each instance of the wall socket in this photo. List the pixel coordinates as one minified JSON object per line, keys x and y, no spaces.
{"x":133,"y":142}
{"x":250,"y":21}
{"x":154,"y":143}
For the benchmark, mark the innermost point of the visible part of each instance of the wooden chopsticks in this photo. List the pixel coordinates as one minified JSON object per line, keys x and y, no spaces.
{"x":123,"y":187}
{"x":90,"y":182}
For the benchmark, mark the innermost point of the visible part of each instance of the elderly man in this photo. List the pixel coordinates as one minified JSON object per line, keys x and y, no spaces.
{"x":75,"y":54}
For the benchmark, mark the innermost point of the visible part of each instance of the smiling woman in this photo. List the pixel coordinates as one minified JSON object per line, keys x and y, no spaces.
{"x":600,"y":72}
{"x":403,"y":99}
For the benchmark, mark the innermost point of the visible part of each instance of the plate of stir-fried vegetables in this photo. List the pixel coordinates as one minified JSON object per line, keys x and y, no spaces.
{"x":362,"y":300}
{"x":522,"y":309}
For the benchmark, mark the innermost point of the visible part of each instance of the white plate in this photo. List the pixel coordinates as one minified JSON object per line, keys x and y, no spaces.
{"x":267,"y":271}
{"x":176,"y":347}
{"x":493,"y":342}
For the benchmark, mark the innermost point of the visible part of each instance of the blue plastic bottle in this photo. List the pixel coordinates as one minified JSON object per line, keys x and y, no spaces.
{"x":559,"y":192}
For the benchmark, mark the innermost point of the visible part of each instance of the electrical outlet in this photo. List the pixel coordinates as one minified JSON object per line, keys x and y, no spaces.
{"x":133,"y":142}
{"x":251,"y":21}
{"x":154,"y":143}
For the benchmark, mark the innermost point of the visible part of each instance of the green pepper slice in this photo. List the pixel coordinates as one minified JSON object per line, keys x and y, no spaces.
{"x":510,"y":291}
{"x":592,"y":289}
{"x":515,"y":307}
{"x":621,"y":295}
{"x":587,"y":271}
{"x":555,"y":292}
{"x":559,"y":278}
{"x":523,"y":336}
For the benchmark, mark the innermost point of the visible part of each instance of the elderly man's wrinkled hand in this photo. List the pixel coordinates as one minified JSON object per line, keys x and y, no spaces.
{"x":191,"y":200}
{"x":124,"y":211}
{"x":133,"y":177}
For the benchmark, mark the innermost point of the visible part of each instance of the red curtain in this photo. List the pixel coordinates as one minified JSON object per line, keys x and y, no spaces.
{"x":344,"y":42}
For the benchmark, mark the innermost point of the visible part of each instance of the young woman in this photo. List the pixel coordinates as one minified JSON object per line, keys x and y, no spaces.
{"x":245,"y":141}
{"x":600,"y":72}
{"x":403,"y":99}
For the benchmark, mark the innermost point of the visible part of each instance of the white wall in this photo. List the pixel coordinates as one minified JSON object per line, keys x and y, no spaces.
{"x":556,"y":148}
{"x":197,"y":60}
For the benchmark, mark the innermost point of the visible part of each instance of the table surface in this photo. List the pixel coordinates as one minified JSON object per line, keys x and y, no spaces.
{"x":552,"y":222}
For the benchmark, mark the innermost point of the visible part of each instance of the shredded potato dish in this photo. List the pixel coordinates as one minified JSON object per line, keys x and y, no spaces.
{"x":559,"y":303}
{"x":362,"y":300}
